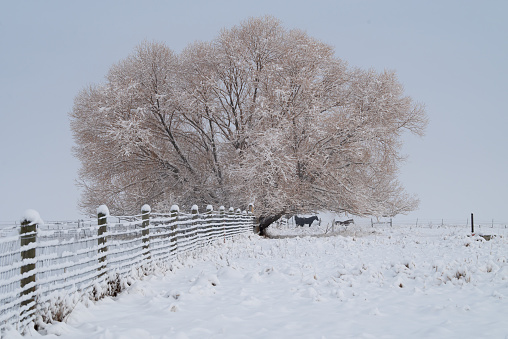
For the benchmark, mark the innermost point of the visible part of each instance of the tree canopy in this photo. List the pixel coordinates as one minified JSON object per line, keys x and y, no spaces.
{"x":260,"y":114}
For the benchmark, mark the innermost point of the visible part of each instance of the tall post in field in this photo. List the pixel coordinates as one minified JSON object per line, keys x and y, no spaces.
{"x":102,"y":222}
{"x":145,"y":233}
{"x":472,"y":223}
{"x":28,"y":238}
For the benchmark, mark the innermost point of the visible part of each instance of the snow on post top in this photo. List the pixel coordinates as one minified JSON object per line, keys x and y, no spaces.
{"x":194,"y":208}
{"x":175,"y":208}
{"x":32,"y":216}
{"x":209,"y":207}
{"x":103,"y":209}
{"x":146,"y":208}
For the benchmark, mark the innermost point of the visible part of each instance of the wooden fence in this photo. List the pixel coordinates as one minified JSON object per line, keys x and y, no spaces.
{"x":46,"y":268}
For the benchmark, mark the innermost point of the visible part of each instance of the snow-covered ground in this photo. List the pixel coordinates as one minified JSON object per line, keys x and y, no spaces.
{"x":399,"y":282}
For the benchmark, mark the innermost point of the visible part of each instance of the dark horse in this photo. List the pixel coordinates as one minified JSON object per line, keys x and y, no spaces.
{"x":303,"y":221}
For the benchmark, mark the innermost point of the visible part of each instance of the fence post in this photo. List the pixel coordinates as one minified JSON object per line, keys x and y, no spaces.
{"x":194,"y":212}
{"x":145,"y":233}
{"x":472,"y":223}
{"x":174,"y":214}
{"x":102,"y":221}
{"x":230,"y":219}
{"x":28,"y":241}
{"x":255,"y":227}
{"x":209,"y":216}
{"x":245,"y":225}
{"x":222,"y":213}
{"x":237,"y":220}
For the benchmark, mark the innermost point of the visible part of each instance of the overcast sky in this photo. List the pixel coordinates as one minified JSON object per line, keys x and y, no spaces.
{"x":450,"y":55}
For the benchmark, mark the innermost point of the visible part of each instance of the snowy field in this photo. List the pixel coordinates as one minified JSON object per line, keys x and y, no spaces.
{"x":363,"y":282}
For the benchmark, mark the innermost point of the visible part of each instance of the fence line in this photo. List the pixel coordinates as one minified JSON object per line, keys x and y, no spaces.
{"x":45,"y":270}
{"x":434,"y":222}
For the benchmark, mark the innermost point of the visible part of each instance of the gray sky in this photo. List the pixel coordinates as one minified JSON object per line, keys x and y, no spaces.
{"x":450,"y":55}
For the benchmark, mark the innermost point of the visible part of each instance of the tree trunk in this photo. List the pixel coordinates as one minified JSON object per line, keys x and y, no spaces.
{"x":265,"y":221}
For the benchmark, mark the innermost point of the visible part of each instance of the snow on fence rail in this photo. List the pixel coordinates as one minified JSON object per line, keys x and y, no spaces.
{"x":46,"y":268}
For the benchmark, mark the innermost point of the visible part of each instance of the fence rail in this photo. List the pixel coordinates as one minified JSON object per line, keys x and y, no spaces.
{"x":45,"y":269}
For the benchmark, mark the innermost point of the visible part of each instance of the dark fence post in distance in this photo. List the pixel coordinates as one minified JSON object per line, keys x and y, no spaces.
{"x":145,"y":233}
{"x":472,"y":224}
{"x":174,"y":227}
{"x":102,"y":221}
{"x":28,"y":237}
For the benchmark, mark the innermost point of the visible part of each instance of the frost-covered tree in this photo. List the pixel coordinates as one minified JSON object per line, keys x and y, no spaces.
{"x":136,"y":141}
{"x":260,"y":114}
